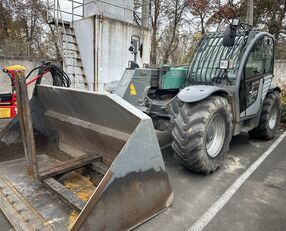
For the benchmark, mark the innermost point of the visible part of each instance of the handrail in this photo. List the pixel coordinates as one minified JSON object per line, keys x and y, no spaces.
{"x":63,"y":17}
{"x":76,"y":5}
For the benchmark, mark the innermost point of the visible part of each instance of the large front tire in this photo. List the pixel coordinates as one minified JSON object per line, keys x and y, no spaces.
{"x":202,"y":134}
{"x":269,"y":118}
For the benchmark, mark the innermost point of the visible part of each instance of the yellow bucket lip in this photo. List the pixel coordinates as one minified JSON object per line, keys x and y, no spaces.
{"x":15,"y":68}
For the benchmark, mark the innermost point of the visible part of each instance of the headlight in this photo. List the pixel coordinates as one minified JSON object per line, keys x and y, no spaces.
{"x":235,"y":22}
{"x":224,"y":64}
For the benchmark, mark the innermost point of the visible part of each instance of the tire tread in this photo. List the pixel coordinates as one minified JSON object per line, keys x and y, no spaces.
{"x":188,"y":134}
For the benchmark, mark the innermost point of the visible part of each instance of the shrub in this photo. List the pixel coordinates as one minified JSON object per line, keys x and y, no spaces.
{"x":283,"y":101}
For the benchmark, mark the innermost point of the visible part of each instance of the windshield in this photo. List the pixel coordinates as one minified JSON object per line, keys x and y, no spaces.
{"x":205,"y":64}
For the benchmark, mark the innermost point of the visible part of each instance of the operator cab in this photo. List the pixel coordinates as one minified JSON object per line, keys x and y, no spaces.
{"x":218,"y":56}
{"x":239,"y":60}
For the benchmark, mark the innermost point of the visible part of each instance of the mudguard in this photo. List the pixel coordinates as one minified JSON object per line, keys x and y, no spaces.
{"x":197,"y":93}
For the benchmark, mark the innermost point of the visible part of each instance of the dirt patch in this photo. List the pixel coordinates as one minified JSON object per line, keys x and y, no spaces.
{"x":233,"y":164}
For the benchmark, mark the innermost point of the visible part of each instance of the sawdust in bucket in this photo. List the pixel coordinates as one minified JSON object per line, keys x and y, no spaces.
{"x":73,"y":216}
{"x":81,"y":186}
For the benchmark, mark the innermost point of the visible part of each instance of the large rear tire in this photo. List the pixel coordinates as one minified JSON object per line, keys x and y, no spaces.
{"x":202,"y":134}
{"x":269,"y":118}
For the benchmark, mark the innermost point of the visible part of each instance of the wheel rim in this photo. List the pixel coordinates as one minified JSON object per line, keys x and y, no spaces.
{"x":273,"y":117}
{"x":215,"y":135}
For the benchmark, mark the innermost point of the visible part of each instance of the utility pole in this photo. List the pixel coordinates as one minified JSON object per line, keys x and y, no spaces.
{"x":249,"y":13}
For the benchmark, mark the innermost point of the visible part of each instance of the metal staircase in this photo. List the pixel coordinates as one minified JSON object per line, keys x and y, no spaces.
{"x":63,"y":13}
{"x":70,"y":53}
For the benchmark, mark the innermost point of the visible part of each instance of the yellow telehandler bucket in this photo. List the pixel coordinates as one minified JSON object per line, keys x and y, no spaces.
{"x":98,"y":159}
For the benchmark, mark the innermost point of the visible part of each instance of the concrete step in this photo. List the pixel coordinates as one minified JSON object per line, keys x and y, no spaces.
{"x":74,"y":62}
{"x":80,"y":78}
{"x":74,"y":66}
{"x":71,"y":54}
{"x":82,"y":85}
{"x":60,"y":23}
{"x":75,"y":70}
{"x":70,"y":46}
{"x":69,"y":42}
{"x":68,"y":38}
{"x":69,"y":30}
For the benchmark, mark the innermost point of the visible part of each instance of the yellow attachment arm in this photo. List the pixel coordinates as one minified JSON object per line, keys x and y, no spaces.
{"x":15,"y":68}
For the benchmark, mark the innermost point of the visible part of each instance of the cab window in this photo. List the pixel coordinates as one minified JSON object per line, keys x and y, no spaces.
{"x":260,"y":59}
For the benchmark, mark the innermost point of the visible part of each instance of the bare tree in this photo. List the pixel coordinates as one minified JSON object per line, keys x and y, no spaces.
{"x":201,"y":9}
{"x":24,"y":30}
{"x":156,"y":7}
{"x":5,"y":21}
{"x":175,"y":12}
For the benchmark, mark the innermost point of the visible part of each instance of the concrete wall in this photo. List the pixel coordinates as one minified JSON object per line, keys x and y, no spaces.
{"x":280,"y":71}
{"x":103,"y":43}
{"x":29,"y":63}
{"x":114,"y":59}
{"x":115,"y":9}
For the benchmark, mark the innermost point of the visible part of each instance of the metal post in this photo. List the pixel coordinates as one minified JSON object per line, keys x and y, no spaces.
{"x":72,"y":11}
{"x":249,"y":13}
{"x":25,"y":119}
{"x":145,"y":13}
{"x":57,"y":7}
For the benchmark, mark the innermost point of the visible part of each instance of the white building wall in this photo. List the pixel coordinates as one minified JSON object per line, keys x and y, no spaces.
{"x":85,"y":35}
{"x":103,"y":44}
{"x":116,"y":9}
{"x":279,"y":71}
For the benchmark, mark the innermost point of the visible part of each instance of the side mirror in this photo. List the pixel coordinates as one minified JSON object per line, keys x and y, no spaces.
{"x":136,"y":46}
{"x":131,"y":48}
{"x":141,"y":50}
{"x":229,"y":36}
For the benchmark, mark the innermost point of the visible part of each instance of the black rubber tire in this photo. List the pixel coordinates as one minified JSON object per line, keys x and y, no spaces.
{"x":189,"y":136}
{"x":263,"y":130}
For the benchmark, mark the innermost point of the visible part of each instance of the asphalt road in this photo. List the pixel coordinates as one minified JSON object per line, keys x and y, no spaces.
{"x":259,"y":204}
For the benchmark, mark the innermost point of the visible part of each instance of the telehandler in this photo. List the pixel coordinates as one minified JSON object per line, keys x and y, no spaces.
{"x":226,"y":89}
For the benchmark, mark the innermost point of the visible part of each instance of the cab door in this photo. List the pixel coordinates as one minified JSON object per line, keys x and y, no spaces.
{"x":257,"y":77}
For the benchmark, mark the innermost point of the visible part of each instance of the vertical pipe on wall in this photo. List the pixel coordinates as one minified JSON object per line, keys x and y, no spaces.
{"x":98,"y":52}
{"x":95,"y":56}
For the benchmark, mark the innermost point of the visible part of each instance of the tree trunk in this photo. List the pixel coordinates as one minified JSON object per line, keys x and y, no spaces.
{"x":154,"y":36}
{"x":154,"y":47}
{"x":58,"y":53}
